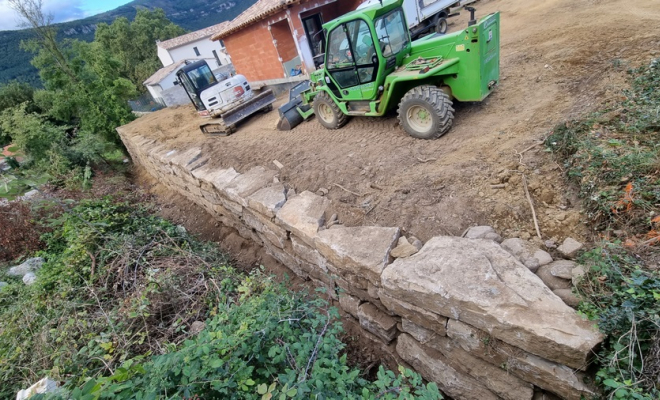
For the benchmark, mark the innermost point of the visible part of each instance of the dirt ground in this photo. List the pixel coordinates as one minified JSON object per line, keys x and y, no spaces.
{"x":559,"y":59}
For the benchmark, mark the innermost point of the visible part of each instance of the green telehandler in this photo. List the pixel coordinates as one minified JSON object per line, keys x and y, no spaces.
{"x":371,"y":66}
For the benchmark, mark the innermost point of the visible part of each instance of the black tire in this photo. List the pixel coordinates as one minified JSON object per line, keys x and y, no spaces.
{"x":267,"y":109}
{"x":328,"y":113}
{"x":415,"y":105}
{"x":441,"y":25}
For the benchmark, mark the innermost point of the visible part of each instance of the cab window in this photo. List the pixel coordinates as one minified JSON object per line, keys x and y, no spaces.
{"x":363,"y":45}
{"x":392,"y":32}
{"x":339,"y":58}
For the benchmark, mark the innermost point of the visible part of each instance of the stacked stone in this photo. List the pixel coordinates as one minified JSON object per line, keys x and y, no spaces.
{"x":463,"y":312}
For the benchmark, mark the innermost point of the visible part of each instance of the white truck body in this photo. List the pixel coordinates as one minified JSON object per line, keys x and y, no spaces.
{"x":419,"y":11}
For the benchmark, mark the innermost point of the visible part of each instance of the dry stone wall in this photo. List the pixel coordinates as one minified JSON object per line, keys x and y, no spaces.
{"x":464,"y":312}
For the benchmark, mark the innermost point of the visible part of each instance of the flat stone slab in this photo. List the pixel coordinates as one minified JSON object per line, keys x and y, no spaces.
{"x":303,"y":215}
{"x":434,"y":366}
{"x":246,"y":184}
{"x":362,"y":251}
{"x":558,"y":379}
{"x":481,"y":284}
{"x":217,"y":177}
{"x":268,"y":200}
{"x":377,"y":322}
{"x":495,"y":377}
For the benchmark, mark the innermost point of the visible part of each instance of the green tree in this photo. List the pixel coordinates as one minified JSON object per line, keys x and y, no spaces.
{"x":15,"y":93}
{"x":12,"y":95}
{"x":31,"y":132}
{"x":96,"y":100}
{"x":134,"y":43}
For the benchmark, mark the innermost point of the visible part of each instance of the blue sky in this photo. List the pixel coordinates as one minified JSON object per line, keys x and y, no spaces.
{"x":62,"y":10}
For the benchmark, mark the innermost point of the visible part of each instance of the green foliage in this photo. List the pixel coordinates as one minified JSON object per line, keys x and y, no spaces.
{"x":625,"y":300}
{"x":614,"y":155}
{"x":31,"y":132}
{"x":12,"y":95}
{"x":90,"y":92}
{"x":133,"y":43}
{"x":614,"y":158}
{"x":270,"y":343}
{"x":112,"y":308}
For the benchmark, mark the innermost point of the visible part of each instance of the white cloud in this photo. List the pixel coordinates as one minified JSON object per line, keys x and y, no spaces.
{"x":61,"y":10}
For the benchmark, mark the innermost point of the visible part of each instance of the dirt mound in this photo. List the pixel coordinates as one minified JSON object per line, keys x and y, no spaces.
{"x":560,"y":58}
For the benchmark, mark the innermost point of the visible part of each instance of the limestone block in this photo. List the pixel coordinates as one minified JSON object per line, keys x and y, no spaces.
{"x":361,"y":251}
{"x":552,"y":281}
{"x":433,"y":366}
{"x":307,"y":253}
{"x":373,"y":290}
{"x":219,"y":178}
{"x":403,"y":249}
{"x":562,"y":269}
{"x":29,"y":265}
{"x":483,"y":232}
{"x":479,"y":283}
{"x":303,"y":215}
{"x":570,"y":247}
{"x":495,"y":377}
{"x":286,"y":259}
{"x":557,"y":378}
{"x":274,"y":233}
{"x":568,"y":297}
{"x":268,"y":200}
{"x":232,"y":206}
{"x":377,"y":322}
{"x":543,"y":256}
{"x":523,"y":251}
{"x":421,"y":334}
{"x":246,"y":184}
{"x":349,"y":303}
{"x":418,"y":315}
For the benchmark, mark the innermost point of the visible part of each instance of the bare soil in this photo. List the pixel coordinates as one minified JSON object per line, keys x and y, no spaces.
{"x":559,"y":59}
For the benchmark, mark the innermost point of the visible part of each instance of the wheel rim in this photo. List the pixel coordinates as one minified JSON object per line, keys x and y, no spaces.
{"x":419,"y":118}
{"x":442,"y":26}
{"x":325,"y":112}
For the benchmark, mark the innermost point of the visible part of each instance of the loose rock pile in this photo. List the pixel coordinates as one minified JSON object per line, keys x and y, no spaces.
{"x":465,"y":312}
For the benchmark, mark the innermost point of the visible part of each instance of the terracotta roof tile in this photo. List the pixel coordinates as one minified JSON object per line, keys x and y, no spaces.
{"x":192,"y":36}
{"x":259,"y":10}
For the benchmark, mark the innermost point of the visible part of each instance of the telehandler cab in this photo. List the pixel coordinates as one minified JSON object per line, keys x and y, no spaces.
{"x":371,"y":66}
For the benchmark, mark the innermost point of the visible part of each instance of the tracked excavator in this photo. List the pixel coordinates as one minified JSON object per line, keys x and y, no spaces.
{"x":225,"y":101}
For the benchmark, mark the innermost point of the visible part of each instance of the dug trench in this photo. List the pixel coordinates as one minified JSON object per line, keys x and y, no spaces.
{"x":552,"y":70}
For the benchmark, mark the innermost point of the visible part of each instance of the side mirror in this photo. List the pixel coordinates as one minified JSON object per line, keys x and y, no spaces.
{"x":176,"y":83}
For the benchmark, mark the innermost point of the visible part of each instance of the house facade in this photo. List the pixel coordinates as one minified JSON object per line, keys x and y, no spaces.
{"x":195,"y":46}
{"x":276,"y":40}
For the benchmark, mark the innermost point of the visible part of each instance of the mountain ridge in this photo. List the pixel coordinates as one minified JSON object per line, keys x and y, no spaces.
{"x":190,"y":14}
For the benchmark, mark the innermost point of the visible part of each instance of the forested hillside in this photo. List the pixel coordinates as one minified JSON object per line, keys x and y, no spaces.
{"x":190,"y":14}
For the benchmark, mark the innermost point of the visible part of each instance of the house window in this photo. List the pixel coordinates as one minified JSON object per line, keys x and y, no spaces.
{"x":217,"y":59}
{"x":196,"y":51}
